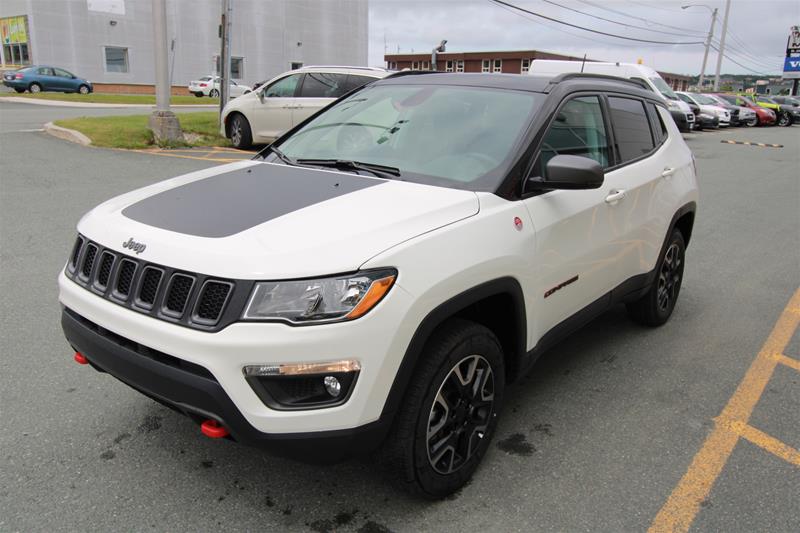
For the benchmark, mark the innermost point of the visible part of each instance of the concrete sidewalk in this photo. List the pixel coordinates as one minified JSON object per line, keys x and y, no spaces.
{"x":63,"y":103}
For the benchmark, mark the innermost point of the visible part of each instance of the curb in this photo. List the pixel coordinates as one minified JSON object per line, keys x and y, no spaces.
{"x":67,"y":134}
{"x":63,"y":103}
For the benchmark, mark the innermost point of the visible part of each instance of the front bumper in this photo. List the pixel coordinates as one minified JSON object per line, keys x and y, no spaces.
{"x":685,"y":121}
{"x":193,"y":391}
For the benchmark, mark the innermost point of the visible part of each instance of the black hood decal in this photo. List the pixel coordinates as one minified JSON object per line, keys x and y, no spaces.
{"x":226,"y":204}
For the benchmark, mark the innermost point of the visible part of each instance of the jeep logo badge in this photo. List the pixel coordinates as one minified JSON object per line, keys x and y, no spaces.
{"x":132,"y":245}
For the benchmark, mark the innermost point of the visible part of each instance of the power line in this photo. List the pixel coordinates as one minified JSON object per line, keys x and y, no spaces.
{"x":737,"y":63}
{"x":616,"y":21}
{"x":698,"y":32}
{"x":501,"y":2}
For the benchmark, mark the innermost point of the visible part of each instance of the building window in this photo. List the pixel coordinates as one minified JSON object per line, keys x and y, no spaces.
{"x":486,"y":65}
{"x":460,"y":65}
{"x":116,"y":59}
{"x":415,"y":65}
{"x":526,"y":66}
{"x":426,"y":65}
{"x":237,"y":68}
{"x":449,"y":67}
{"x":391,"y":65}
{"x":498,"y":65}
{"x":14,"y":36}
{"x":294,"y":65}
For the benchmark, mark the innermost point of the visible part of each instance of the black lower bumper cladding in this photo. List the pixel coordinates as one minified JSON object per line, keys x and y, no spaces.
{"x":192,"y":390}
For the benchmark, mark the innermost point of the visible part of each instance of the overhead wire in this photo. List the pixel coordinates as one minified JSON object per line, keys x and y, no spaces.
{"x":552,"y":19}
{"x":698,"y":33}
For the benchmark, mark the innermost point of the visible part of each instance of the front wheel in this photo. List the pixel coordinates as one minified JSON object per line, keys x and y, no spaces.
{"x":784,"y":119}
{"x":449,"y":413}
{"x":655,"y":307}
{"x":239,"y":132}
{"x":83,"y":89}
{"x":213,"y":93}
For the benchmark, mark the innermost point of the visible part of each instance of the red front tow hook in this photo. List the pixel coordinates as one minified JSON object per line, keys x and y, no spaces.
{"x":81,"y":359}
{"x":213,"y":429}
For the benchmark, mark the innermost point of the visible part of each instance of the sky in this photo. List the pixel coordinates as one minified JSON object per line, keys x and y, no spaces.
{"x":756,"y":38}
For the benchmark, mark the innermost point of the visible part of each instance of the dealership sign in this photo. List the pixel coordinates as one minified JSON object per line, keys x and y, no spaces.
{"x":791,"y":68}
{"x":791,"y":65}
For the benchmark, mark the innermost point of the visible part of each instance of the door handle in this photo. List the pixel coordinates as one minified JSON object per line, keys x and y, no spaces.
{"x":668,"y":172}
{"x":615,"y":195}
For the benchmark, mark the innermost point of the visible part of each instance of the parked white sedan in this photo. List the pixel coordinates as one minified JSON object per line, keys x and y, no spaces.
{"x":210,"y":86}
{"x":287,"y":99}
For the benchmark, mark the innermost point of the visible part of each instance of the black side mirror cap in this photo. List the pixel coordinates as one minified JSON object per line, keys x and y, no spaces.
{"x":571,"y":172}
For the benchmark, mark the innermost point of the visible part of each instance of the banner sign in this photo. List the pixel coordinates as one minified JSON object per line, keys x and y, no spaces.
{"x":14,"y":30}
{"x":791,"y":68}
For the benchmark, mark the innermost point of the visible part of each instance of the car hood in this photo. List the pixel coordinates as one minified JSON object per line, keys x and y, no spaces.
{"x":257,"y":220}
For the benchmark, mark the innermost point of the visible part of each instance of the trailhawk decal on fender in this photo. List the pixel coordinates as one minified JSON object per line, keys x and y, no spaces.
{"x":560,"y":286}
{"x":232,"y":202}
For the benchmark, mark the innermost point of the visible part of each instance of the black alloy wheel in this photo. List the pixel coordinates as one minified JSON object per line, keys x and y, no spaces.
{"x":669,"y":279}
{"x":655,"y":307}
{"x":784,"y":119}
{"x":460,"y":414}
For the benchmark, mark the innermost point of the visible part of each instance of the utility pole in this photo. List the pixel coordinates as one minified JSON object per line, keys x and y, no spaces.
{"x":162,"y":121}
{"x":708,"y":45}
{"x":722,"y":44}
{"x":225,"y":55}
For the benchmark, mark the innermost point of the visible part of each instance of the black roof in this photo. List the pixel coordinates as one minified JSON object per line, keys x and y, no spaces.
{"x":521,"y":82}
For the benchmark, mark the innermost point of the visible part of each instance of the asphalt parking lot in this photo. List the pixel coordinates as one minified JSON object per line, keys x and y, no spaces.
{"x":620,"y":428}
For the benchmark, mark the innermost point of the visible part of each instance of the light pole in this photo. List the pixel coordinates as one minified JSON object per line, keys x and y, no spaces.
{"x":162,"y":121}
{"x":708,"y":39}
{"x":722,"y":43}
{"x":435,"y":51}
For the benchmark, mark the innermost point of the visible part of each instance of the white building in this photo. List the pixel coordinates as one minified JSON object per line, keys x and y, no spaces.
{"x":111,"y":41}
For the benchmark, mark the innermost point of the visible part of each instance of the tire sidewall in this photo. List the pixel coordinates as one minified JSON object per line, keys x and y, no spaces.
{"x":83,"y":89}
{"x":433,"y":483}
{"x":35,"y":88}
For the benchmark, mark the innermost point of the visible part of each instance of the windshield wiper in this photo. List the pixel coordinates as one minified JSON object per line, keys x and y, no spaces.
{"x":283,"y":157}
{"x":380,"y":171}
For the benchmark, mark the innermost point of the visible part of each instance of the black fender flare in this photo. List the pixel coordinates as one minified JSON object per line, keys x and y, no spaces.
{"x":500,"y":286}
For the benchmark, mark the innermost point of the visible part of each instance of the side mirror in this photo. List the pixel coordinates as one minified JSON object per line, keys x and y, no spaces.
{"x":569,"y":172}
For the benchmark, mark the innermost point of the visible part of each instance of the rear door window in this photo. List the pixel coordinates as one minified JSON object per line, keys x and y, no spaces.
{"x":354,"y":82}
{"x":323,"y":85}
{"x":578,"y":129}
{"x":631,"y":128}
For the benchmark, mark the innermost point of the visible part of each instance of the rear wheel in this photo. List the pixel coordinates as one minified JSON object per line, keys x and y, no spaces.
{"x":449,"y":413}
{"x":655,"y":307}
{"x":213,"y":93}
{"x":784,"y":119}
{"x":35,"y":88}
{"x":83,"y":89}
{"x":239,"y":131}
{"x":19,"y":90}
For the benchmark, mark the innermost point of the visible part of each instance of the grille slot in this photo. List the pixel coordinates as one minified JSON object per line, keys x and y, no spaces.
{"x":104,"y":271}
{"x":178,"y":291}
{"x":88,"y":261}
{"x":148,"y":288}
{"x":76,"y":253}
{"x":211,"y":302}
{"x":127,"y":269}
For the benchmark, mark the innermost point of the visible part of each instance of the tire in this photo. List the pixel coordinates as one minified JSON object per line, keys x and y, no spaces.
{"x":784,"y":119}
{"x":199,"y":95}
{"x":239,"y":131}
{"x":83,"y":89}
{"x":19,"y":90}
{"x":213,"y":93}
{"x":655,"y":307}
{"x":438,"y":399}
{"x":35,"y":88}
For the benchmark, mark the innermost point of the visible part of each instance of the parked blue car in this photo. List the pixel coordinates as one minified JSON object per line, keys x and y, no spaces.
{"x":38,"y":78}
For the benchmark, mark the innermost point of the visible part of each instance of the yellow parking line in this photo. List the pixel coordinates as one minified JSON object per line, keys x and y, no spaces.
{"x":790,"y":362}
{"x":683,"y":504}
{"x":767,"y":442}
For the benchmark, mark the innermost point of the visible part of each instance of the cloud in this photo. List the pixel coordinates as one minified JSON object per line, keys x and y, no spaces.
{"x":757,"y":30}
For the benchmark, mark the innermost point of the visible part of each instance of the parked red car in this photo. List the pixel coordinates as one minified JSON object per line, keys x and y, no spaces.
{"x":766,"y":117}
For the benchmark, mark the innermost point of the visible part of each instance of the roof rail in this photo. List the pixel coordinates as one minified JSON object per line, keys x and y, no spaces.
{"x":573,"y":75}
{"x":344,"y":66}
{"x":409,"y":72}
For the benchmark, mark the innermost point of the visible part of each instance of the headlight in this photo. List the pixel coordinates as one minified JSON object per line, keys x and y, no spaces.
{"x":312,"y":301}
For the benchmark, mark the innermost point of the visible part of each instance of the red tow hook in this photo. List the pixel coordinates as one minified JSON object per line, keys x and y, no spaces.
{"x":81,"y":359}
{"x":213,"y":429}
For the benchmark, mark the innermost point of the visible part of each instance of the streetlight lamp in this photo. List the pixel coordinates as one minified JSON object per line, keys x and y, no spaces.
{"x":708,"y":39}
{"x":436,"y":50}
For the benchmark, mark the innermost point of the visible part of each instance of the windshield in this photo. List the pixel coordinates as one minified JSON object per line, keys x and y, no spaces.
{"x":451,"y":136}
{"x":665,"y":89}
{"x":705,"y":100}
{"x":205,"y":78}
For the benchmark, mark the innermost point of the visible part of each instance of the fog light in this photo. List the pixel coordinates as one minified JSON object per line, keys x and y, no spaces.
{"x":333,"y":386}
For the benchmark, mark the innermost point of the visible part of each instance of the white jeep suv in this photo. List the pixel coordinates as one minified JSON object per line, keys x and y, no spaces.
{"x":286,"y":100}
{"x":377,"y":276}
